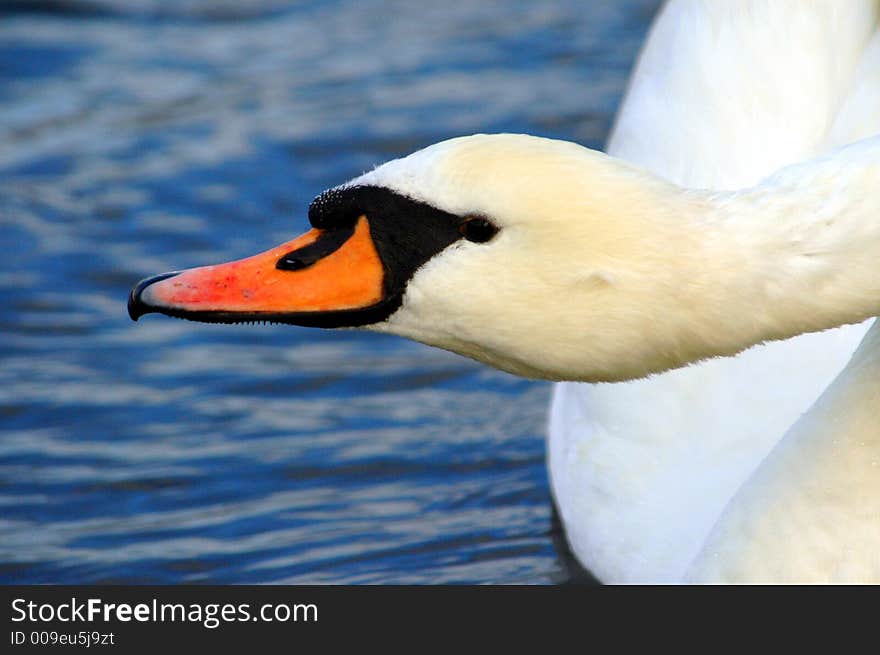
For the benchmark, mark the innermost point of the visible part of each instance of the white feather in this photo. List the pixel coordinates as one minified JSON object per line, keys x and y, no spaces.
{"x":641,"y":471}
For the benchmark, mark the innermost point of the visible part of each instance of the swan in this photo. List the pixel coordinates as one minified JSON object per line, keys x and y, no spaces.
{"x":553,"y":261}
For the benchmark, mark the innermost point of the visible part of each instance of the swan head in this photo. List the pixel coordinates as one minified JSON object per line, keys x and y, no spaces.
{"x":539,"y":257}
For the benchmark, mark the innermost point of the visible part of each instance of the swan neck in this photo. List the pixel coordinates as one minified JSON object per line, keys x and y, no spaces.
{"x":800,"y":251}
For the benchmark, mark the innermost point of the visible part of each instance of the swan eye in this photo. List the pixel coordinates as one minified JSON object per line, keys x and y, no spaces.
{"x":478,"y":230}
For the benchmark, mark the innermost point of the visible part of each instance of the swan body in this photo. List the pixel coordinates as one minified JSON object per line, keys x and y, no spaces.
{"x":811,"y":511}
{"x":553,"y":261}
{"x":739,"y":91}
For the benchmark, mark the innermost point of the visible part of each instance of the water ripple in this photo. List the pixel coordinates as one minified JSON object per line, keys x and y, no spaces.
{"x":140,"y":136}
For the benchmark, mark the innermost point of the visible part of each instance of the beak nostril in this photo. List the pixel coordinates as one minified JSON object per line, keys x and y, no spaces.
{"x":326,"y":244}
{"x":291,"y":263}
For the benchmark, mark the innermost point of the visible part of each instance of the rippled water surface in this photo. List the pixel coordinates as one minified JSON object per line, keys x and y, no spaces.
{"x":138,"y":137}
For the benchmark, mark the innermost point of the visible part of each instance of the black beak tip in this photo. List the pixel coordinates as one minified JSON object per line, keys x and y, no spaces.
{"x":136,"y":306}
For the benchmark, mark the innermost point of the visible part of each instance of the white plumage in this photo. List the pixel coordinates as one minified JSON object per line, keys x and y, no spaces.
{"x":725,"y":93}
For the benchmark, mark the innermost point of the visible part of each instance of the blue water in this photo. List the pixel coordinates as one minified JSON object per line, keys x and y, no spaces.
{"x":140,"y":136}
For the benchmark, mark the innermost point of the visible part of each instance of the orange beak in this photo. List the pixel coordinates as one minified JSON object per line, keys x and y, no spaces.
{"x":323,"y":273}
